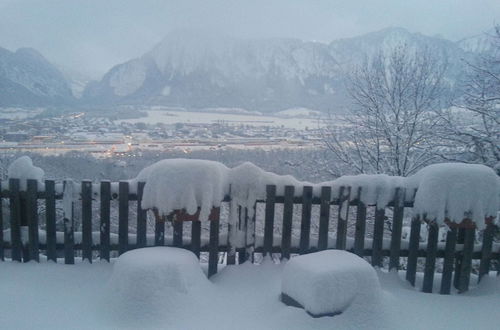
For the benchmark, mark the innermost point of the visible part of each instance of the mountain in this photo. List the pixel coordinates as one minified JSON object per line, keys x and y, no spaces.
{"x":199,"y":70}
{"x":28,"y":79}
{"x":195,"y":70}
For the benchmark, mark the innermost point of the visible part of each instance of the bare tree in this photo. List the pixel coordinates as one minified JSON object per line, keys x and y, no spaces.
{"x":474,"y":124}
{"x":391,"y":123}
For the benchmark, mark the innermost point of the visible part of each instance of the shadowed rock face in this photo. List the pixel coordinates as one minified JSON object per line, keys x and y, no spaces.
{"x":28,"y":79}
{"x":196,"y":70}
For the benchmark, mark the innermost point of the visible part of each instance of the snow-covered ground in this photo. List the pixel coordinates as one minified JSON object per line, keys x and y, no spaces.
{"x":172,"y":117}
{"x":50,"y":296}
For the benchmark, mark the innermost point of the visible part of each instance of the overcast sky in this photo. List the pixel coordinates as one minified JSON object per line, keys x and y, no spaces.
{"x":93,"y":35}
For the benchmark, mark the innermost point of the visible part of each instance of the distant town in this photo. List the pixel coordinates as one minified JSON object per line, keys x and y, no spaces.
{"x":108,"y":136}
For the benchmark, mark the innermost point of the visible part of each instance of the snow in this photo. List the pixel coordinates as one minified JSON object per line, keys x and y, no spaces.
{"x":376,"y":189}
{"x":211,"y":116}
{"x":174,"y":184}
{"x":299,"y":112}
{"x":23,"y":169}
{"x":330,"y":282}
{"x":455,"y":191}
{"x":147,"y":282}
{"x":449,"y":191}
{"x":58,"y":296}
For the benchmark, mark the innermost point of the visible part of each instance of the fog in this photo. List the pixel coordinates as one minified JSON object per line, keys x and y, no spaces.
{"x":93,"y":35}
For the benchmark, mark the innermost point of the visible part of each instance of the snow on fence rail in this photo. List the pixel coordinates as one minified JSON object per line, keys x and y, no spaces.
{"x":242,"y":231}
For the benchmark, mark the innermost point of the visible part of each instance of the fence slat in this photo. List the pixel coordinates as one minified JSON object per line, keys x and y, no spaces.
{"x":87,"y":220}
{"x":15,"y":219}
{"x":232,"y":232}
{"x":466,"y":267}
{"x":286,"y":237}
{"x":397,"y":226}
{"x":458,"y":258}
{"x":2,"y":256}
{"x":50,"y":219}
{"x":324,"y":217}
{"x":243,"y":226}
{"x":177,"y":228}
{"x":32,"y":219}
{"x":378,"y":236}
{"x":251,"y":232}
{"x":484,"y":266}
{"x":305,"y":224}
{"x":196,"y":237}
{"x":359,"y":234}
{"x":142,"y":217}
{"x":449,"y":258}
{"x":269,"y":220}
{"x":159,"y":233}
{"x":123,"y":217}
{"x":411,"y":267}
{"x":105,"y":223}
{"x":344,"y":197}
{"x":68,"y":208}
{"x":213,"y":253}
{"x":430,"y":260}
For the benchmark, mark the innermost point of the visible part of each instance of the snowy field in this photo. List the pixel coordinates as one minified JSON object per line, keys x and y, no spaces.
{"x":173,"y":117}
{"x":50,"y":296}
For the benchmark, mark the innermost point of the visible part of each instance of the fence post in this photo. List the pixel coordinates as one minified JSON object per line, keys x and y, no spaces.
{"x":359,"y":235}
{"x":86,"y":220}
{"x":378,"y":236}
{"x":142,"y":217}
{"x":123,"y":217}
{"x":232,"y":231}
{"x":68,"y":207}
{"x":105,"y":222}
{"x":50,"y":220}
{"x":15,"y":219}
{"x":411,"y":267}
{"x":466,"y":266}
{"x":397,"y":226}
{"x":324,"y":217}
{"x":213,"y":249}
{"x":449,"y":258}
{"x":269,"y":220}
{"x":484,"y":266}
{"x":32,"y":219}
{"x":430,"y":259}
{"x":344,"y":197}
{"x":305,"y":224}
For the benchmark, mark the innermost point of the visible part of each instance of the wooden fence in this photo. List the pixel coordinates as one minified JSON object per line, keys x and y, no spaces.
{"x":24,"y":239}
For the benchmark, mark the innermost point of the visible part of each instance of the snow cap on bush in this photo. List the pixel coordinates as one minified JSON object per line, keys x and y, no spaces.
{"x":23,"y":169}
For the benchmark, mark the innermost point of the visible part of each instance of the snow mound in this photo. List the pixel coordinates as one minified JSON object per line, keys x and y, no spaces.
{"x":23,"y":169}
{"x":151,"y":282}
{"x":329,"y":282}
{"x":174,"y":184}
{"x":456,"y":191}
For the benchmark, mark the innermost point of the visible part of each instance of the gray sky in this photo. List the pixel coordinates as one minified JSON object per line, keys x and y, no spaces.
{"x":93,"y":35}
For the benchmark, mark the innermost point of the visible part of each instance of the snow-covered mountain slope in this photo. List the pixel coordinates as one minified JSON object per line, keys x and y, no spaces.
{"x":28,"y":79}
{"x":200,"y":70}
